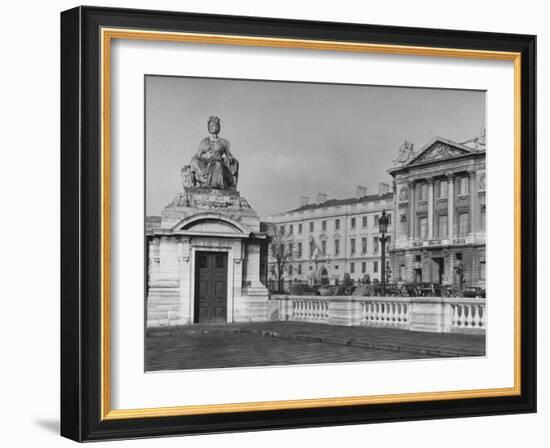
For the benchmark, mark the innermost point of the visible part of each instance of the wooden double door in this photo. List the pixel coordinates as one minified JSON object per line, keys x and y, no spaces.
{"x":210,"y":287}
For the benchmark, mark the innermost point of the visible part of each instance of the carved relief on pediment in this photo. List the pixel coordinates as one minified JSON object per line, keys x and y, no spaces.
{"x":439,"y":151}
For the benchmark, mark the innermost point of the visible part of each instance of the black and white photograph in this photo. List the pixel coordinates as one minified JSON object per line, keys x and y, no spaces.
{"x":293,"y":223}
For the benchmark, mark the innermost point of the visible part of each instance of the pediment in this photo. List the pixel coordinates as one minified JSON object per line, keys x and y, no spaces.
{"x":212,"y":224}
{"x":440,"y":149}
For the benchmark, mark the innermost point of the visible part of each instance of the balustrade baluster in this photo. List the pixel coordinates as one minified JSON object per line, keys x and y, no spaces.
{"x":482,"y":316}
{"x":475,"y":314}
{"x":470,"y":316}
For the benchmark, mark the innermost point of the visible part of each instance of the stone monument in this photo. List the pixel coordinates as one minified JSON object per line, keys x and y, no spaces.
{"x":204,"y":262}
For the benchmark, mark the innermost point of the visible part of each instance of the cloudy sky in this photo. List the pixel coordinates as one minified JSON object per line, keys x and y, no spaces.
{"x":294,"y":139}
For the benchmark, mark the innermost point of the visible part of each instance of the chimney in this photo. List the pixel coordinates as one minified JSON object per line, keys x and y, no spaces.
{"x":321,"y":197}
{"x":304,"y":200}
{"x":383,"y":189}
{"x":361,"y":191}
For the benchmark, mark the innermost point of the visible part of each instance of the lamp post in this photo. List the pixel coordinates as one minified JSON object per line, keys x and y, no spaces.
{"x":383,"y":228}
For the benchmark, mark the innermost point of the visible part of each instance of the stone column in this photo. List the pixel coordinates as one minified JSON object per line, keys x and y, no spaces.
{"x":237,"y":252}
{"x":186,"y":302}
{"x":412,"y":212}
{"x":473,"y":200}
{"x":450,"y":204}
{"x":430,"y":207}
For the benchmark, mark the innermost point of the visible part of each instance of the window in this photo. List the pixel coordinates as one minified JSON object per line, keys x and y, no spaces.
{"x":300,"y":228}
{"x":311,"y":226}
{"x":482,"y":181}
{"x":353,"y":223}
{"x":324,"y":247}
{"x":365,"y":221}
{"x":352,"y":246}
{"x":364,"y":245}
{"x":290,"y":249}
{"x":388,"y":243}
{"x":463,"y":219}
{"x":311,"y":248}
{"x":423,"y":227}
{"x":442,"y":226}
{"x":375,"y":244}
{"x":336,"y":267}
{"x":337,"y":224}
{"x":289,"y":269}
{"x":389,"y":218}
{"x":352,"y":268}
{"x":336,"y":247}
{"x":463,"y":186}
{"x":482,"y":218}
{"x":324,"y":224}
{"x":442,"y":189}
{"x":375,"y":223}
{"x":299,"y":254}
{"x":363,"y":267}
{"x":482,"y":270}
{"x":299,"y":269}
{"x":422,"y":192}
{"x":282,"y":230}
{"x":291,"y":229}
{"x":375,"y":266}
{"x":401,"y":272}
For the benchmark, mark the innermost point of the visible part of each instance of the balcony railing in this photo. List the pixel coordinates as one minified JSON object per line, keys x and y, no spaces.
{"x":431,"y":314}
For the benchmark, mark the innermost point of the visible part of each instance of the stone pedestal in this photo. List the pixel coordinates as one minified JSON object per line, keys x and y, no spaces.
{"x":205,"y":220}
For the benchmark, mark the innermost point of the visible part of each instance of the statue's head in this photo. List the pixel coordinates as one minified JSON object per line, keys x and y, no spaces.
{"x":214,"y":125}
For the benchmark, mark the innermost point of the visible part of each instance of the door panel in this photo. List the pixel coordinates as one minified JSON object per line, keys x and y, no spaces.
{"x":211,"y":287}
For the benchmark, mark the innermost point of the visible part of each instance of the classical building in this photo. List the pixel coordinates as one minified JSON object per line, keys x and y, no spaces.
{"x":204,"y":258}
{"x":329,"y":238}
{"x":439,"y":209}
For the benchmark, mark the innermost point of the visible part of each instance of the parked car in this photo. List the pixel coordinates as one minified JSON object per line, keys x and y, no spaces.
{"x":433,"y":290}
{"x":473,"y":291}
{"x":302,"y":289}
{"x":364,"y":290}
{"x":332,"y":290}
{"x":391,"y":290}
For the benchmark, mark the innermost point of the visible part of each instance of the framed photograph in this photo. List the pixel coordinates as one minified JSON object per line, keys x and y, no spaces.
{"x":272,"y":223}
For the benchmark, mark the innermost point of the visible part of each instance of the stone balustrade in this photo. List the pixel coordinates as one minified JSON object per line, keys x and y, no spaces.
{"x":310,"y":309}
{"x":430,"y":314}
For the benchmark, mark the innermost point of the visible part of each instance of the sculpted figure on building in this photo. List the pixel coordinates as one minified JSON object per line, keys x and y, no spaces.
{"x":213,"y":165}
{"x":405,"y":153}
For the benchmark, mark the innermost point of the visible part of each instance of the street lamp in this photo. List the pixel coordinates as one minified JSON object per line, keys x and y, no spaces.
{"x":383,"y":228}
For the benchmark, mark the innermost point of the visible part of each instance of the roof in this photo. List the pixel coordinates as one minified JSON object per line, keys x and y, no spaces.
{"x":436,"y":150}
{"x":339,"y":202}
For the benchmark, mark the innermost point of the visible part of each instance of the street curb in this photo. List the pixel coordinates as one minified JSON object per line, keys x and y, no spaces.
{"x":431,"y":351}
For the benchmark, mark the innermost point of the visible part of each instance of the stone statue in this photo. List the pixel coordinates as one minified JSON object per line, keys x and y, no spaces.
{"x":187,"y":177}
{"x":213,"y":166}
{"x":406,"y":153}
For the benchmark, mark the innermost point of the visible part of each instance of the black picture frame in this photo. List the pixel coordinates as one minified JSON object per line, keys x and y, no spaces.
{"x":81,"y":380}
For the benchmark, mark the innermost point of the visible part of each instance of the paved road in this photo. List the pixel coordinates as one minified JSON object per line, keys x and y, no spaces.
{"x":217,"y":349}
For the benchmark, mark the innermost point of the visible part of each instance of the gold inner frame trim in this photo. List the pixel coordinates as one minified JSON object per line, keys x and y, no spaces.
{"x":107,"y":35}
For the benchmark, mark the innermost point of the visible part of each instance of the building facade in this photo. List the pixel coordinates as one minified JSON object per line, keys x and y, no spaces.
{"x":329,"y":238}
{"x":440,"y":211}
{"x":204,"y":254}
{"x":436,"y":233}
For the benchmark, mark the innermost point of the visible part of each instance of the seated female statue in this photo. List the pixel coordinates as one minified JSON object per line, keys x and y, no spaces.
{"x":213,"y":165}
